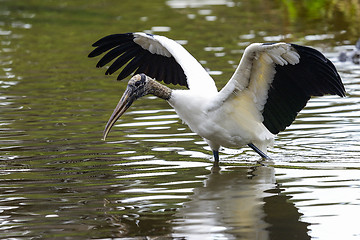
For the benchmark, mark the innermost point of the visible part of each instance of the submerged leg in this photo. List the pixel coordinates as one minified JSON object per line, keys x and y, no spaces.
{"x":258,"y":151}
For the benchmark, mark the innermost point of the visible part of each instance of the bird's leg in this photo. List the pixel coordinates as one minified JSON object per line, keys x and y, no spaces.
{"x":258,"y":151}
{"x":216,"y":157}
{"x":216,"y":166}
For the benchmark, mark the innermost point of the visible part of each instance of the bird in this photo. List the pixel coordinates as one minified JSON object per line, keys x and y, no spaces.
{"x":352,"y":55}
{"x":269,"y":87}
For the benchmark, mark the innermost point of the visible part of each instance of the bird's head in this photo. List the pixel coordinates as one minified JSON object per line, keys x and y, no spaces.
{"x":138,"y":86}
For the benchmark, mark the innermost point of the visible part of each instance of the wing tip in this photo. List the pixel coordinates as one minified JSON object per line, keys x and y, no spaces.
{"x":113,"y":37}
{"x":318,"y":77}
{"x":149,"y":63}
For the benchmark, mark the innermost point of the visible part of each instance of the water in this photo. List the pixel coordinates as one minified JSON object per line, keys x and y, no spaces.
{"x":152,"y":177}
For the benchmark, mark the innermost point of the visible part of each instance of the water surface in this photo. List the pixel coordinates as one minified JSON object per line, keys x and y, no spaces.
{"x":152,"y":177}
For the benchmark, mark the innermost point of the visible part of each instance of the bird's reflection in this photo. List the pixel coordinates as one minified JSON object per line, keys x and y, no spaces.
{"x":240,"y":203}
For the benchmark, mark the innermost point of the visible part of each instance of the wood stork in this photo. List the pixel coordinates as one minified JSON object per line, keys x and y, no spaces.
{"x":272,"y":83}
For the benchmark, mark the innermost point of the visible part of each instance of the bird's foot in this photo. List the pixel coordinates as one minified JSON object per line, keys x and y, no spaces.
{"x":215,"y":168}
{"x":261,"y":162}
{"x":265,"y":162}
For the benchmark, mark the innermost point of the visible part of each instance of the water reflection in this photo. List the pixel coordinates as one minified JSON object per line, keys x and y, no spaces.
{"x":321,"y":203}
{"x":240,"y":203}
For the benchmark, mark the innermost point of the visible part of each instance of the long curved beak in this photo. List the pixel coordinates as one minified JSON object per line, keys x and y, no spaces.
{"x":125,"y":102}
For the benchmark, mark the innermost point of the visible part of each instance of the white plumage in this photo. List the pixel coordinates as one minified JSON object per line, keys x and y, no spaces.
{"x":197,"y":77}
{"x":270,"y":86}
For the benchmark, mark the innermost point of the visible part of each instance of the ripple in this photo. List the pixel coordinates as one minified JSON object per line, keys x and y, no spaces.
{"x":21,"y":25}
{"x":152,"y":123}
{"x":5,"y":32}
{"x":152,"y":198}
{"x":159,"y":135}
{"x":324,"y":196}
{"x":160,"y":29}
{"x":319,"y":37}
{"x":142,"y":175}
{"x":197,"y":3}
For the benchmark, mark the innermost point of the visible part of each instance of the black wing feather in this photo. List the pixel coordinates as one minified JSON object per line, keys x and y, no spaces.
{"x":131,"y":66}
{"x":121,"y":61}
{"x":161,"y":70}
{"x":112,"y":54}
{"x":144,"y":65}
{"x":136,"y":59}
{"x":154,"y":66}
{"x":293,"y":86}
{"x":103,"y":48}
{"x":118,"y":38}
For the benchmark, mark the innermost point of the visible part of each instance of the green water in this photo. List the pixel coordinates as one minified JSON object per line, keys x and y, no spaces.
{"x":152,"y":177}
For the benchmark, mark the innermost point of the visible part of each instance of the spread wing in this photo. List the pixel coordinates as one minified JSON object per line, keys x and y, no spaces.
{"x":156,"y":56}
{"x":281,"y":78}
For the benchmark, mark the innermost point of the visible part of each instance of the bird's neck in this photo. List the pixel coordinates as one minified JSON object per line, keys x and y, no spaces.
{"x":158,"y":89}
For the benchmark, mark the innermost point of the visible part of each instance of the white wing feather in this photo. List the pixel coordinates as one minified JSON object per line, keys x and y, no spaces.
{"x":256,"y":72}
{"x":197,"y":77}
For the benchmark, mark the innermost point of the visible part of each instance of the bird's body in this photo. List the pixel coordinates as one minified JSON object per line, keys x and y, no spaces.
{"x":236,"y":123}
{"x":272,"y":83}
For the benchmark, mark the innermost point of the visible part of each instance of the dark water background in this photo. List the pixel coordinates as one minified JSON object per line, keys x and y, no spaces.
{"x":59,"y":180}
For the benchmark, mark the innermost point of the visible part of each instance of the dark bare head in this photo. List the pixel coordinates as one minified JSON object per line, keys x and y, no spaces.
{"x":138,"y":86}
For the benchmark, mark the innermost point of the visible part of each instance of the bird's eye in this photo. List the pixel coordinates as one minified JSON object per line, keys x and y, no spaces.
{"x":137,"y":84}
